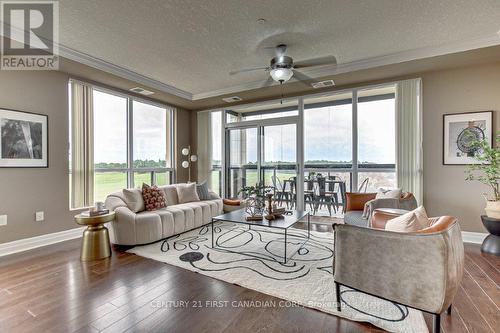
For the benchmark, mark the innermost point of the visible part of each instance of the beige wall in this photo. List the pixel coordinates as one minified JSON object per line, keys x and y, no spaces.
{"x":183,"y":138}
{"x":24,"y":191}
{"x":453,"y":91}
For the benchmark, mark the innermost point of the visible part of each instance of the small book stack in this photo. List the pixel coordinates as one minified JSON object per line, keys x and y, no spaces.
{"x":92,"y":213}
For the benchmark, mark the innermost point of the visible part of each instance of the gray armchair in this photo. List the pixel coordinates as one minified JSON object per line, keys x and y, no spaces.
{"x":421,"y":270}
{"x":360,"y":206}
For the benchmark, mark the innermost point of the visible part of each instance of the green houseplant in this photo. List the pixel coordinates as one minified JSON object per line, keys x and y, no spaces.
{"x":254,"y":197}
{"x":487,"y":171}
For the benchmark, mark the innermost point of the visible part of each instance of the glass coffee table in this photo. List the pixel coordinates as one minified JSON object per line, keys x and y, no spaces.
{"x":284,"y":223}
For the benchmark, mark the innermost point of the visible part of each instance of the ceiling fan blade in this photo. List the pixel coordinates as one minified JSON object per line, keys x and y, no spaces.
{"x":247,"y":70}
{"x":301,"y":76}
{"x":268,"y":82}
{"x":322,"y":61}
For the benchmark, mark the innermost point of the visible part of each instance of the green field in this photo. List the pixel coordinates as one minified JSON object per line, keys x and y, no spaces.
{"x":109,"y":182}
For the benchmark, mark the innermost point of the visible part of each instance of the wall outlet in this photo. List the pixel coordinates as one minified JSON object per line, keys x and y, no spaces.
{"x":3,"y":219}
{"x":39,"y":216}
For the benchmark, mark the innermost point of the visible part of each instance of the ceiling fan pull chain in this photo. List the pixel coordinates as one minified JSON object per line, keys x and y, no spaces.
{"x":281,"y":87}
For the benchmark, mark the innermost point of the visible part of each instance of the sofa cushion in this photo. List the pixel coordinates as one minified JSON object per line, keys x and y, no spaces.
{"x":133,"y":199}
{"x":202,"y":190}
{"x":391,"y":194}
{"x":154,"y":198}
{"x":171,"y":194}
{"x":148,"y":227}
{"x":355,"y":217}
{"x":187,"y":193}
{"x":167,"y":222}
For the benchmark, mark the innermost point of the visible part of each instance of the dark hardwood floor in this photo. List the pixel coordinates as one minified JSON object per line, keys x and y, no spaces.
{"x":49,"y":289}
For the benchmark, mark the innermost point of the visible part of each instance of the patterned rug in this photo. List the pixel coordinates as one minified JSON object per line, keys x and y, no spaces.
{"x":254,"y":259}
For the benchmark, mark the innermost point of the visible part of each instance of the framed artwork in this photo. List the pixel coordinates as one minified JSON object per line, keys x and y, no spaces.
{"x":459,"y":130}
{"x":23,"y":139}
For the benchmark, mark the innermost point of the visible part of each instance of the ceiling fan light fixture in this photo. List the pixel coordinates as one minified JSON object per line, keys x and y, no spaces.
{"x":281,"y":74}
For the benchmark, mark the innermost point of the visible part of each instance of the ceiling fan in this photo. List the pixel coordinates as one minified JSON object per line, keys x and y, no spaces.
{"x":282,"y":67}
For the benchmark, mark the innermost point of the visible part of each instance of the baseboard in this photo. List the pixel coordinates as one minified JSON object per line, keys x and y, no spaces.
{"x":473,"y":237}
{"x":39,"y":241}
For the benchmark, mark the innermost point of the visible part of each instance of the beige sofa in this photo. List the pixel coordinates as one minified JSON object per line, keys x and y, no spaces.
{"x":131,"y":228}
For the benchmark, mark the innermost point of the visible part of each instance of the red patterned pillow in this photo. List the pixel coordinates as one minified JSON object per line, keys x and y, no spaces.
{"x":154,"y":198}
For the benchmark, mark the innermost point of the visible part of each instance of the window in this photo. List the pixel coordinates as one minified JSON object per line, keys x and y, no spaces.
{"x":131,"y":145}
{"x":377,"y":138}
{"x":150,"y":136}
{"x":328,"y":131}
{"x":110,"y":144}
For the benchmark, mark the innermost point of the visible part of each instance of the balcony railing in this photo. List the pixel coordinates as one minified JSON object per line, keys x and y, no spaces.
{"x":380,"y":175}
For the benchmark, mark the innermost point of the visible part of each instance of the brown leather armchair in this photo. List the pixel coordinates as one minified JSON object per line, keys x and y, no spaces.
{"x":355,"y":205}
{"x":421,"y":270}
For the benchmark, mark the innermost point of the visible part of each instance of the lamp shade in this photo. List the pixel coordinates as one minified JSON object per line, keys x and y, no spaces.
{"x":281,"y":74}
{"x":185,"y":164}
{"x":185,"y":151}
{"x":193,"y":158}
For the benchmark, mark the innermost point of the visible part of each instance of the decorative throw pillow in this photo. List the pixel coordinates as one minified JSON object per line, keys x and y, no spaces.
{"x":133,"y":199}
{"x":202,"y":190}
{"x":410,"y":222}
{"x":154,"y":198}
{"x":422,"y":217}
{"x":388,"y":194}
{"x":187,"y":193}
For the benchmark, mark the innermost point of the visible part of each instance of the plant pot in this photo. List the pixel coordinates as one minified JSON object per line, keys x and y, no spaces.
{"x":493,"y":209}
{"x":491,"y":244}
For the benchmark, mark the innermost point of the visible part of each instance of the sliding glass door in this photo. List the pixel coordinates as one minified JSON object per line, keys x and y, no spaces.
{"x":263,"y":154}
{"x":279,"y":162}
{"x":242,"y":159}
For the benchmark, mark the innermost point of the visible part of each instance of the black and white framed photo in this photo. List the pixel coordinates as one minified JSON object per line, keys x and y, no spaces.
{"x":460,"y":130}
{"x":23,"y":139}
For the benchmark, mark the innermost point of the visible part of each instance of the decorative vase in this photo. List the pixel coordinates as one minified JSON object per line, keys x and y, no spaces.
{"x":493,"y":209}
{"x":254,"y":206}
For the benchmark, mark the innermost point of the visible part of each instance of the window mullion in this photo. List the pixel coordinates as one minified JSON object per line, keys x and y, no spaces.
{"x":130,"y":143}
{"x":354,"y":183}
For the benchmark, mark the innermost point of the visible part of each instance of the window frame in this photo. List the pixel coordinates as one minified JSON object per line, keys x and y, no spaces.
{"x":129,"y":170}
{"x":353,"y":169}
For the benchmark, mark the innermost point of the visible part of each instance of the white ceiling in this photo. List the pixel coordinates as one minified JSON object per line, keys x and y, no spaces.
{"x":192,"y":45}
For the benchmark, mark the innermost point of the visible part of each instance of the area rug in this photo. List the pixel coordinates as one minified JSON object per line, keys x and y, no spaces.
{"x":253,"y":258}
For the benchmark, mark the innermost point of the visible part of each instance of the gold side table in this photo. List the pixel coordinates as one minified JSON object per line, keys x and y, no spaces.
{"x":95,"y":243}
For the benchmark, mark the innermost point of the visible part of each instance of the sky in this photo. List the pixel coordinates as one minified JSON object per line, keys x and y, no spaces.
{"x":110,"y":130}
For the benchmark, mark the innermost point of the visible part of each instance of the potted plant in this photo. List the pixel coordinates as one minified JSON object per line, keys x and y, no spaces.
{"x":487,"y":171}
{"x":255,"y":196}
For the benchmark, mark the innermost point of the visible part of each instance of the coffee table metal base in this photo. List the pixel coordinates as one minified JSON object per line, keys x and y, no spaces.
{"x":285,"y":258}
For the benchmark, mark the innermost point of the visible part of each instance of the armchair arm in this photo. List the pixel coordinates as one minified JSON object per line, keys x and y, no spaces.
{"x":411,"y":269}
{"x":357,"y":201}
{"x":371,"y":205}
{"x":123,"y":229}
{"x":384,"y":203}
{"x":379,"y":219}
